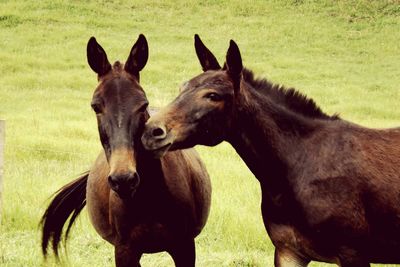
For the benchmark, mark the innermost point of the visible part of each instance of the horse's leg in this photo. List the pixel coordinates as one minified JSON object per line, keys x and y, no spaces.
{"x":184,"y":253}
{"x":125,"y":256}
{"x":287,"y":258}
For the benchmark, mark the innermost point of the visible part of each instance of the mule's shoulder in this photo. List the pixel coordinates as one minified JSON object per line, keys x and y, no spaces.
{"x":189,"y":156}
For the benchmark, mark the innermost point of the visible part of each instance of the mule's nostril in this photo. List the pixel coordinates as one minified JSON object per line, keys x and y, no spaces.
{"x":113,"y":184}
{"x":124,"y":184}
{"x":157,"y":132}
{"x":135,"y":180}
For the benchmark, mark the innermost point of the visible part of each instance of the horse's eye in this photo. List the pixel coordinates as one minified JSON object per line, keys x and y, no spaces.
{"x":97,"y":107}
{"x":213,"y":96}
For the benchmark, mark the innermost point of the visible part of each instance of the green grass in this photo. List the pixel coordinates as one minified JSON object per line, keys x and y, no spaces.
{"x":344,"y":54}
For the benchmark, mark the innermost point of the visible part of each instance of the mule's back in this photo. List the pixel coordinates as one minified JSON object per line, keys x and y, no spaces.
{"x":352,"y":187}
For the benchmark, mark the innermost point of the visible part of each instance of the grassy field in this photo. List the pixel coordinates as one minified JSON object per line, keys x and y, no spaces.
{"x":343,"y":54}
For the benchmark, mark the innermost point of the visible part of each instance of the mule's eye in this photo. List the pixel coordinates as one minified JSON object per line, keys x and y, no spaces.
{"x":213,"y":96}
{"x":143,"y":107}
{"x":97,"y":107}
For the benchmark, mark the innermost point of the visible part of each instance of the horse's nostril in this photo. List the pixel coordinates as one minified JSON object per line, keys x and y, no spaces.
{"x":157,"y":132}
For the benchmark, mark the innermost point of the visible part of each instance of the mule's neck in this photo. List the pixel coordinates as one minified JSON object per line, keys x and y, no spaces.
{"x":147,"y":165}
{"x":265,"y":134}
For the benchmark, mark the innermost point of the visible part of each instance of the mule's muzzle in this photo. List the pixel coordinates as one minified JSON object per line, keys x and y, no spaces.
{"x":156,"y":139}
{"x":125,"y":185}
{"x":158,"y":132}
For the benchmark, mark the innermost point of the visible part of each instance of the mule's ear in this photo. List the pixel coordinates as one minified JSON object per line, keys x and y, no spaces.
{"x":97,"y":57}
{"x":234,"y":64}
{"x":138,"y":56}
{"x":206,"y":58}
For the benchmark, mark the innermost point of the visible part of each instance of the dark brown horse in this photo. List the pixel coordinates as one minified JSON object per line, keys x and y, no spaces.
{"x":330,"y":188}
{"x":137,"y":203}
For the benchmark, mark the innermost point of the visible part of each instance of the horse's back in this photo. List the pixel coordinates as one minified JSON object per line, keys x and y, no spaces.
{"x":188,"y":181}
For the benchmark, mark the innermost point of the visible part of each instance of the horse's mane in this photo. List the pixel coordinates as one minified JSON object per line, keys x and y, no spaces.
{"x":290,"y":98}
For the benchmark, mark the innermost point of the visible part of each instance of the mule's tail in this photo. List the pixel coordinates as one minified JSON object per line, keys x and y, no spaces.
{"x":67,"y":203}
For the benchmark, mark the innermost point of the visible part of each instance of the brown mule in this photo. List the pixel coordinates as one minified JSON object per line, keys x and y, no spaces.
{"x":330,"y":188}
{"x":137,"y":203}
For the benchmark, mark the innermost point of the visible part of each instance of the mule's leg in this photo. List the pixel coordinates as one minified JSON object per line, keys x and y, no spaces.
{"x":287,"y":258}
{"x":184,"y":253}
{"x":353,"y":263}
{"x":125,"y":256}
{"x":351,"y":258}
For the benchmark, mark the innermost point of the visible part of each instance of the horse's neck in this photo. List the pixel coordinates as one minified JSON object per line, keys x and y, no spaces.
{"x":264,"y":135}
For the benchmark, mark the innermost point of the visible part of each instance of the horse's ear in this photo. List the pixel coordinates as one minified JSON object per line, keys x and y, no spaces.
{"x":206,"y":58}
{"x":97,"y":57}
{"x":234,"y":64}
{"x":138,"y":56}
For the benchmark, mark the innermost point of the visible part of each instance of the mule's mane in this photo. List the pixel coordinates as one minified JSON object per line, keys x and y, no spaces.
{"x":290,"y":98}
{"x":117,"y":66}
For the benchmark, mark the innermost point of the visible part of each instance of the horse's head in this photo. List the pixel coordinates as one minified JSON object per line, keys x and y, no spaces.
{"x":203,"y":111}
{"x":120,"y":105}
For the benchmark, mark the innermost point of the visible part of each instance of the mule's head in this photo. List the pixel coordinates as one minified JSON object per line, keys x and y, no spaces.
{"x":204,"y":110}
{"x":120,"y":105}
